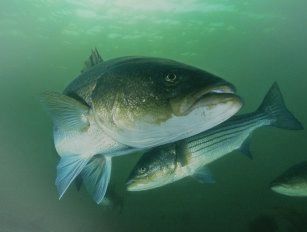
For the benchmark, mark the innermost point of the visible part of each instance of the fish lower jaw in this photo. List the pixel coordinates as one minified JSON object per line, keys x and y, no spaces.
{"x":291,"y":192}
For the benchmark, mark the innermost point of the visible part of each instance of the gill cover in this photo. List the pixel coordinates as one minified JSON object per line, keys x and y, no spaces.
{"x":145,"y":135}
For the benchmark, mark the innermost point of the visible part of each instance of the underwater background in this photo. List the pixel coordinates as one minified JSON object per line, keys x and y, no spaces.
{"x":43,"y":46}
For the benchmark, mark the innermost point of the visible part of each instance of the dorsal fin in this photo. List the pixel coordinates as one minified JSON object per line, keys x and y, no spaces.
{"x":93,"y":59}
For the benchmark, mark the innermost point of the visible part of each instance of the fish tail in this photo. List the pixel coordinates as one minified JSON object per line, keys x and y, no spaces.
{"x":274,"y":106}
{"x":96,"y":176}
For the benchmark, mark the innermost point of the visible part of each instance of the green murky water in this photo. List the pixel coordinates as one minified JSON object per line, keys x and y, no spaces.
{"x":43,"y":44}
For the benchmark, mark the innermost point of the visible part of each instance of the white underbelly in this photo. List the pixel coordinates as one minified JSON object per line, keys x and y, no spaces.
{"x":86,"y":143}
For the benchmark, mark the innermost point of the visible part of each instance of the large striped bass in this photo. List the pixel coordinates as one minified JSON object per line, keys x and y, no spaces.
{"x":119,"y":106}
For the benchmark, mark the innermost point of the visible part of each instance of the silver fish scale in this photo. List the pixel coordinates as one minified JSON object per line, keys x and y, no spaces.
{"x":226,"y":137}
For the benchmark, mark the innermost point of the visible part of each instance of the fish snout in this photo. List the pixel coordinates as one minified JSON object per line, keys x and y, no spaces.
{"x":131,"y":185}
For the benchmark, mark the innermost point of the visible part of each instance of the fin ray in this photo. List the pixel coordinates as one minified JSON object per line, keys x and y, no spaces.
{"x":93,"y":60}
{"x":68,"y":169}
{"x":96,"y":176}
{"x":274,"y":106}
{"x":65,"y":111}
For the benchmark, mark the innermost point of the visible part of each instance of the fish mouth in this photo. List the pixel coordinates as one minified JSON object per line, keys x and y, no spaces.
{"x":274,"y":187}
{"x":133,"y":185}
{"x":210,"y":96}
{"x":136,"y":184}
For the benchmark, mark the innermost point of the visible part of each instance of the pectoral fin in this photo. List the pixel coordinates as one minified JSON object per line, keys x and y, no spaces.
{"x":203,"y":175}
{"x":66,"y":112}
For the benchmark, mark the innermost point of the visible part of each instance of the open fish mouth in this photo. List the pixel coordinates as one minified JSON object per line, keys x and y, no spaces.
{"x":219,"y":88}
{"x":208,"y":97}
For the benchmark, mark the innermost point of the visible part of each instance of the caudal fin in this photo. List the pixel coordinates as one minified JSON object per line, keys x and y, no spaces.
{"x":274,"y":106}
{"x":96,"y":176}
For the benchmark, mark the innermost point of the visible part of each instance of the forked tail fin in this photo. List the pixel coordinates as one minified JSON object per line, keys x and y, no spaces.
{"x":274,"y":106}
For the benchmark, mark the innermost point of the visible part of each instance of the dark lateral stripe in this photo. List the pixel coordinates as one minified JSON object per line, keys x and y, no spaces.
{"x":219,"y":140}
{"x":205,"y":143}
{"x":221,"y":134}
{"x":212,"y":148}
{"x":232,"y":124}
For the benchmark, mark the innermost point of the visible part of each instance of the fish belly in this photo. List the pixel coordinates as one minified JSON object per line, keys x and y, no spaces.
{"x":86,"y":143}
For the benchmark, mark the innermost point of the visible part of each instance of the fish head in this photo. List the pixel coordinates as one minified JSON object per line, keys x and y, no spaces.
{"x":290,"y":186}
{"x":293,"y":182}
{"x":154,"y":169}
{"x":158,"y":101}
{"x":187,"y":89}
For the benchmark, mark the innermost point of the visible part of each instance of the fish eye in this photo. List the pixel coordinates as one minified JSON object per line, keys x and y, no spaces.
{"x":171,"y":77}
{"x":142,"y":170}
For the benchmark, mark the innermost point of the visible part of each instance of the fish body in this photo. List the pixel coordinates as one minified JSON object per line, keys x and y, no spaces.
{"x":129,"y":104}
{"x":145,"y":102}
{"x":202,"y":150}
{"x":189,"y":157}
{"x":293,"y":182}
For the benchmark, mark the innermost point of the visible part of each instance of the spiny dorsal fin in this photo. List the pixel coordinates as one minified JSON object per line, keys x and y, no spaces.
{"x":93,"y":59}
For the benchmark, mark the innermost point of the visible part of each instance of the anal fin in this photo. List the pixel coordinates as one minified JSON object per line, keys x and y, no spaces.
{"x":245,"y":148}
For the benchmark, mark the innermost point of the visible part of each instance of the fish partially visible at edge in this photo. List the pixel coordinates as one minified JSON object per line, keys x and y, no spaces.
{"x":293,"y":182}
{"x":190,"y":157}
{"x":128,"y":104}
